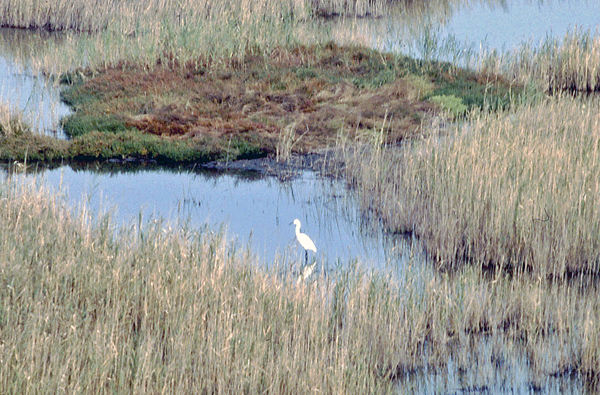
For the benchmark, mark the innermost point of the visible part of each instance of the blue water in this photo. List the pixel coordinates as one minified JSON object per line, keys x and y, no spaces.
{"x":22,"y":89}
{"x":504,"y":26}
{"x":259,"y":210}
{"x":472,"y":26}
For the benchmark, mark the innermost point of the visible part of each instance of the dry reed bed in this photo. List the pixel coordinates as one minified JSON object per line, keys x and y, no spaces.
{"x":514,"y":195}
{"x":144,"y":31}
{"x":156,"y":310}
{"x":11,"y":121}
{"x":570,"y":63}
{"x":83,"y":311}
{"x":97,"y":15}
{"x":516,"y":190}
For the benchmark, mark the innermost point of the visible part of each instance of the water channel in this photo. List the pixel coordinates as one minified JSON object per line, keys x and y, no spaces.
{"x":248,"y":207}
{"x":463,"y":28}
{"x":259,"y":209}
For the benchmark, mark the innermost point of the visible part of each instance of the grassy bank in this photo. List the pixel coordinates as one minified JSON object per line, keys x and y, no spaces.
{"x":25,"y":146}
{"x":83,"y":310}
{"x":295,"y":100}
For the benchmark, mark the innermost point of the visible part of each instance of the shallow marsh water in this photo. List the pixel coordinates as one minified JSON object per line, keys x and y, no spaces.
{"x":253,"y":208}
{"x":260,"y":209}
{"x":458,"y":31}
{"x":24,"y":91}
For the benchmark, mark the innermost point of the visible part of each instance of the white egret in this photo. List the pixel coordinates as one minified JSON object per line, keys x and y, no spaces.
{"x":303,"y":238}
{"x":307,"y":244}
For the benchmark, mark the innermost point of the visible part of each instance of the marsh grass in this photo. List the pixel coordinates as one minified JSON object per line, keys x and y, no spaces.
{"x":294,"y":100}
{"x":100,"y":33}
{"x":19,"y":143}
{"x":509,"y":191}
{"x":150,"y":309}
{"x":144,"y":31}
{"x":11,"y":122}
{"x":94,"y":16}
{"x":176,"y":311}
{"x":505,"y":206}
{"x":555,"y":64}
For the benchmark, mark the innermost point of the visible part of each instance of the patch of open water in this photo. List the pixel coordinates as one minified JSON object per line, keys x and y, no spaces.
{"x":457,"y":30}
{"x":504,"y":25}
{"x":22,"y":89}
{"x":258,"y":210}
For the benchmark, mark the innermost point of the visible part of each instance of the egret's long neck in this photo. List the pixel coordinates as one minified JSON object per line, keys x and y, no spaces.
{"x":297,"y":229}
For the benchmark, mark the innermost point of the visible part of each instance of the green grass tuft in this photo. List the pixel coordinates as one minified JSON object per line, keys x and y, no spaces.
{"x":75,"y":125}
{"x":136,"y":145}
{"x":451,"y":104}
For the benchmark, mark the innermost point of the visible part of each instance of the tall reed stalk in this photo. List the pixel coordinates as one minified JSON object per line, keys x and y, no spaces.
{"x":145,"y":31}
{"x":95,"y":15}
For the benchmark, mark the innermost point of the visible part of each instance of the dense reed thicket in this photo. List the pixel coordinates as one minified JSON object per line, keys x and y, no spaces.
{"x":570,"y":63}
{"x":514,"y":190}
{"x":505,"y":204}
{"x":95,"y":15}
{"x":83,"y":309}
{"x":149,"y":310}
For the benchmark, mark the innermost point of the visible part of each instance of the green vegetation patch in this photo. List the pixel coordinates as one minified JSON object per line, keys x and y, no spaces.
{"x":475,"y":90}
{"x":77,"y":125}
{"x":134,"y":144}
{"x":131,"y":144}
{"x":454,"y":105}
{"x":31,"y":147}
{"x":290,"y":100}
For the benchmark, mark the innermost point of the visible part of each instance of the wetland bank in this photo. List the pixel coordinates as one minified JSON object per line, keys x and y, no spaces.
{"x":497,"y":178}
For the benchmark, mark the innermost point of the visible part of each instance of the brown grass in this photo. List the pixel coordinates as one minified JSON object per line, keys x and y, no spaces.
{"x":308,"y":93}
{"x":514,"y":190}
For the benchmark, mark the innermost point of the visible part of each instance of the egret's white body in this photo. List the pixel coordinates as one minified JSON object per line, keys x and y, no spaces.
{"x":307,"y":244}
{"x":303,"y":238}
